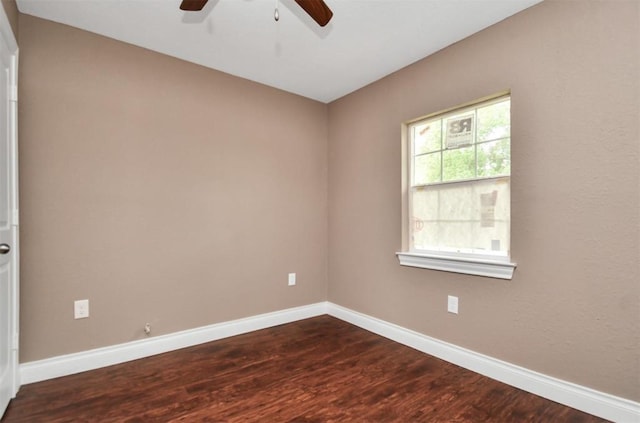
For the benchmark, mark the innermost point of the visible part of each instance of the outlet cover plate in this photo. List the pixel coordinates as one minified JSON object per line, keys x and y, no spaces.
{"x":81,"y":309}
{"x":292,"y":279}
{"x":452,"y":304}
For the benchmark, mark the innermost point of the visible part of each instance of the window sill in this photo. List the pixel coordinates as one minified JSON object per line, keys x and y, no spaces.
{"x":500,"y":269}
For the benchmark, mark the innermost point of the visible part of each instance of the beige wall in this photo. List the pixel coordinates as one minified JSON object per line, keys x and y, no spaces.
{"x":172,"y":194}
{"x":572,"y":308}
{"x":162,"y":191}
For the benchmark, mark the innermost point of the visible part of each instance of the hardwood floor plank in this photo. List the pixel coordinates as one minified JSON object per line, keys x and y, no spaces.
{"x":315,"y":370}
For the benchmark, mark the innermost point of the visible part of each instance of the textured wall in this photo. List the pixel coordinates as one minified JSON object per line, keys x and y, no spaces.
{"x":572,"y":309}
{"x":169,"y":193}
{"x":162,"y":191}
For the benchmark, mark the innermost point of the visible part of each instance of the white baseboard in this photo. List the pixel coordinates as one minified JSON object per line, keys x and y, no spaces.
{"x":36,"y":371}
{"x":579,"y":397}
{"x":576,"y":396}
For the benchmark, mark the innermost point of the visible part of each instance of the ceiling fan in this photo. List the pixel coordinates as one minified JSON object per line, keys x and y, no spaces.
{"x":317,"y":9}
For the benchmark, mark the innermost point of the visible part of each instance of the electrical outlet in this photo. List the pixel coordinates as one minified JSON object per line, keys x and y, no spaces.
{"x":452,"y":304}
{"x":292,"y":279}
{"x":81,"y":309}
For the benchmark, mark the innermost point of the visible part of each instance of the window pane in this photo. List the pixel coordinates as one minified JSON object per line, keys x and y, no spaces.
{"x":494,"y":158}
{"x":459,"y":164}
{"x":424,"y":221}
{"x":470,"y":217}
{"x":426,"y":169}
{"x":494,"y":121}
{"x":460,"y":130}
{"x":427,"y":137}
{"x":460,"y":195}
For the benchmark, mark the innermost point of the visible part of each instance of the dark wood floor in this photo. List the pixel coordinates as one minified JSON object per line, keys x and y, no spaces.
{"x":315,"y":370}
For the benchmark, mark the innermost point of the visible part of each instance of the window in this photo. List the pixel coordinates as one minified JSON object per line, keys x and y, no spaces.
{"x":457,"y":202}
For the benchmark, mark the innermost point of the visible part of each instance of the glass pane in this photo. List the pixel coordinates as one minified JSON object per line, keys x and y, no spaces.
{"x":460,"y":130}
{"x":471,"y":217}
{"x":426,"y":169}
{"x":494,"y":121}
{"x":459,"y":164}
{"x":494,"y":158}
{"x":427,"y":137}
{"x":424,"y":219}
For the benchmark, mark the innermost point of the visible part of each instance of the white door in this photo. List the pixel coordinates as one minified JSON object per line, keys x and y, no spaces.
{"x":8,"y":216}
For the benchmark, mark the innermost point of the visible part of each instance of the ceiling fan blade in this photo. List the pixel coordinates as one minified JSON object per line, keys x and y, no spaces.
{"x":317,"y":9}
{"x":193,"y":5}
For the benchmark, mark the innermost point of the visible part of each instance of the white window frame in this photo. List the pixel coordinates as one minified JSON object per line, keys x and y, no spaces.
{"x":489,"y":265}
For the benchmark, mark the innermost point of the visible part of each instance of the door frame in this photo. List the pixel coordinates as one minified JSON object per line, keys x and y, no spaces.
{"x":8,"y":38}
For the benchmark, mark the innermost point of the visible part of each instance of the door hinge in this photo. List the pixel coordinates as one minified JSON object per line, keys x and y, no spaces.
{"x":16,"y":342}
{"x":15,"y":217}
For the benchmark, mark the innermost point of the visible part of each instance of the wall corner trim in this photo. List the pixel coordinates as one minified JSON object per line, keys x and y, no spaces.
{"x":579,"y":397}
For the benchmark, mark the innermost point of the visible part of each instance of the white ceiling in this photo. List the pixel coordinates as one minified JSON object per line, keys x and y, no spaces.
{"x":365,"y":41}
